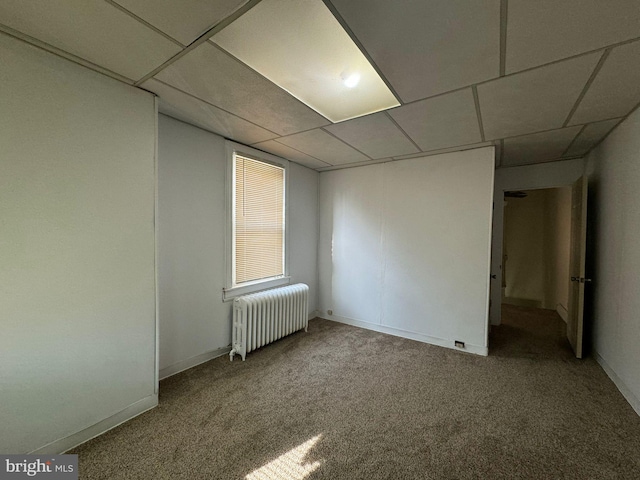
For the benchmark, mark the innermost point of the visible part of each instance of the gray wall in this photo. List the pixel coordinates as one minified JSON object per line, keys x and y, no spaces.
{"x":77,"y":275}
{"x":195,"y":324}
{"x":614,"y":255}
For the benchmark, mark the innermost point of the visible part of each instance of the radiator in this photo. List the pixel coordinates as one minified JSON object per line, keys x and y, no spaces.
{"x":262,"y":318}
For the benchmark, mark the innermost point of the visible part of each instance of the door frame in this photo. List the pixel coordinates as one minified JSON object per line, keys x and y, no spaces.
{"x":577,"y":264}
{"x":528,"y":177}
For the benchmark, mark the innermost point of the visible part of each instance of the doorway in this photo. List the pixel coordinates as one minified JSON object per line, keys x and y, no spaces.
{"x":536,"y":250}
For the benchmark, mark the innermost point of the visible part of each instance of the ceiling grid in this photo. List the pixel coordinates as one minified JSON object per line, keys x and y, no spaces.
{"x":542,"y":81}
{"x":604,"y":56}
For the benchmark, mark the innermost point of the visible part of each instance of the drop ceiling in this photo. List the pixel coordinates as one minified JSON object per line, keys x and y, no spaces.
{"x":543,"y":80}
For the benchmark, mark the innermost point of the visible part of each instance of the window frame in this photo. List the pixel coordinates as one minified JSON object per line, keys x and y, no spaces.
{"x":230,"y":291}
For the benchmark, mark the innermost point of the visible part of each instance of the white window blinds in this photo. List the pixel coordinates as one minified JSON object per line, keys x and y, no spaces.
{"x":258,"y":220}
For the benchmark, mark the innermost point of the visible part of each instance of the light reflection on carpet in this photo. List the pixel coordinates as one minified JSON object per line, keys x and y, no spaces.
{"x":288,"y":466}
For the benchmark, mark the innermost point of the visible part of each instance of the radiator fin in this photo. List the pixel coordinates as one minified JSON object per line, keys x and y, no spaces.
{"x":264,"y":317}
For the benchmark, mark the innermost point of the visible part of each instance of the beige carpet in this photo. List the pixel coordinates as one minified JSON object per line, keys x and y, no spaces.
{"x":340,"y":402}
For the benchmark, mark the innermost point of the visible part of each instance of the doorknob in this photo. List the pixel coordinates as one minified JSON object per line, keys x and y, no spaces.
{"x":585,"y":280}
{"x":575,"y":279}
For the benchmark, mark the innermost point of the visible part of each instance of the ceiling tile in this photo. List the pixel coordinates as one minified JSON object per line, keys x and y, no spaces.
{"x":538,"y":147}
{"x":301,"y":47}
{"x":590,"y":136}
{"x":459,"y":148}
{"x":440,"y":122}
{"x":184,"y":107}
{"x":355,"y":164}
{"x":616,"y":89}
{"x":536,"y":100}
{"x":184,"y":20}
{"x":427,"y":48}
{"x":375,"y":135}
{"x":321,"y":145}
{"x":271,"y":146}
{"x":92,"y":30}
{"x":214,"y":76}
{"x":543,"y":31}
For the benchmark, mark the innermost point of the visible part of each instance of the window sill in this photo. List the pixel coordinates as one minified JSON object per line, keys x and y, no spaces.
{"x":229,"y":294}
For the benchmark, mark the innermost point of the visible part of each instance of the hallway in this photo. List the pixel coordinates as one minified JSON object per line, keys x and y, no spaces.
{"x":528,"y":332}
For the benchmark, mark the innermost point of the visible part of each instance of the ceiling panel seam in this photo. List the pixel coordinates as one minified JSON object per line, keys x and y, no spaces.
{"x":201,"y":39}
{"x":603,"y":47}
{"x":610,"y":130}
{"x":364,"y":163}
{"x":590,"y":80}
{"x":472,"y":85}
{"x":412,"y":156}
{"x":360,"y":46}
{"x":23,"y":37}
{"x":476,"y":101}
{"x":522,"y":71}
{"x":574,"y":140}
{"x":555,"y":160}
{"x":236,"y":59}
{"x":299,"y":151}
{"x":622,"y":119}
{"x":630,"y":113}
{"x":386,"y":112}
{"x":347,"y":144}
{"x":537,"y":132}
{"x":144,"y":22}
{"x":215,"y":106}
{"x":466,"y":146}
{"x":302,"y":131}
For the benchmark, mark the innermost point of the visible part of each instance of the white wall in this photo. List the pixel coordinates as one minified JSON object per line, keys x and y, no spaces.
{"x":544,"y":175}
{"x":77,"y":282}
{"x":614,"y":255}
{"x":191,"y":229}
{"x":404,"y":247}
{"x":195,"y":324}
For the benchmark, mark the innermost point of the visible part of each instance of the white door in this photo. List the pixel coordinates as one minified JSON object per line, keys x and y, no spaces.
{"x":575,"y":328}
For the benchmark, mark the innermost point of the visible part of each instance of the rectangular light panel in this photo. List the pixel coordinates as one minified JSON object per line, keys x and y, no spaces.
{"x":301,"y":47}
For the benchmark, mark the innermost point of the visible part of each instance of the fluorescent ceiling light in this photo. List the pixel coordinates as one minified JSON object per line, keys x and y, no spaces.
{"x":300,"y":46}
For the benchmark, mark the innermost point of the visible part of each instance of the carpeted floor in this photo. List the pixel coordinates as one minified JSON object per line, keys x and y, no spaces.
{"x":340,"y":402}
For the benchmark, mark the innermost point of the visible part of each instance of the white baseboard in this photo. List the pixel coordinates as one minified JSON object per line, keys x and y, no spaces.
{"x":67,"y":443}
{"x":314,"y":314}
{"x":441,"y":342}
{"x":183,"y":365}
{"x":564,"y":314}
{"x":626,"y":392}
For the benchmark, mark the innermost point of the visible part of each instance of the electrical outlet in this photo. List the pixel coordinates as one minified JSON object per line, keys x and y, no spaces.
{"x":459,"y":344}
{"x":329,"y":312}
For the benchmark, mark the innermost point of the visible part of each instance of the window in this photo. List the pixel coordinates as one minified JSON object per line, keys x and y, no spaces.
{"x":257,"y":233}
